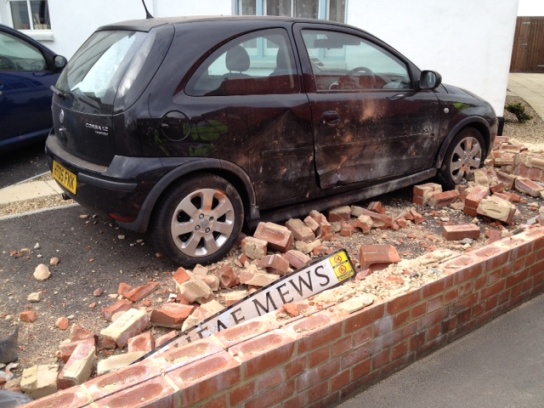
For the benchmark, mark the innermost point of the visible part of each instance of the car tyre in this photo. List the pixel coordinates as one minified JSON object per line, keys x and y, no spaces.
{"x":464,"y":155}
{"x":198,"y":221}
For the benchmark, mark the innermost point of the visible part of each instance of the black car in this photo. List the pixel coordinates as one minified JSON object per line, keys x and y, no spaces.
{"x":27,"y":71}
{"x":194,"y":127}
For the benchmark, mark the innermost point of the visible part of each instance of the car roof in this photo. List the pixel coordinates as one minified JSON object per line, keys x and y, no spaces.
{"x":149,"y":24}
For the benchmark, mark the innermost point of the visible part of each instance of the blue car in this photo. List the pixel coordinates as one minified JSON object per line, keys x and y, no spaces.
{"x":27,"y":71}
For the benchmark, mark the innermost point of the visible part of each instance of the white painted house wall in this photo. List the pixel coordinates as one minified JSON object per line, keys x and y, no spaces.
{"x":531,"y":8}
{"x":469,"y":42}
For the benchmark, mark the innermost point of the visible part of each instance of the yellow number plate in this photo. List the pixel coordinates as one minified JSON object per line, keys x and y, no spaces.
{"x":65,"y":177}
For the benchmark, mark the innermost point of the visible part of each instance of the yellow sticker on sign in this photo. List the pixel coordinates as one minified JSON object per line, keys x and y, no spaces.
{"x":342,"y":266}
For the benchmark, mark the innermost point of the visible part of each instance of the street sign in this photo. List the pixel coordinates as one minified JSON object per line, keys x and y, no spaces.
{"x":301,"y":284}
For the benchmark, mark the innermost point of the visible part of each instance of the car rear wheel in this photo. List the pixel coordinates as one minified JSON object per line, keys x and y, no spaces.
{"x":198,"y":221}
{"x":465,"y":154}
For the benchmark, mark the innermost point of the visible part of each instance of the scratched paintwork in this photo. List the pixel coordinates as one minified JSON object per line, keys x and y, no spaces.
{"x":276,"y":148}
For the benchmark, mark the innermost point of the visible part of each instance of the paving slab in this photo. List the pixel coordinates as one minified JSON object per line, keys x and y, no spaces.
{"x":29,"y":190}
{"x":529,"y":87}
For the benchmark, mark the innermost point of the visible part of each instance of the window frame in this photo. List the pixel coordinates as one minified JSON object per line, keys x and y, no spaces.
{"x":32,"y":28}
{"x":261,"y":36}
{"x":324,"y":8}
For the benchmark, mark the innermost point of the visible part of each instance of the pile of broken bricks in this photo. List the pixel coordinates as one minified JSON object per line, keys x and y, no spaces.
{"x":273,"y":251}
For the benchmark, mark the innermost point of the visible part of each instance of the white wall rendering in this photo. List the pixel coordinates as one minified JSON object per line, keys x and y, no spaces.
{"x":469,"y":42}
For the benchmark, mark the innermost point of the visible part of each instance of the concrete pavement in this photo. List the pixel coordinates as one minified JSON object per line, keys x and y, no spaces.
{"x":529,"y":87}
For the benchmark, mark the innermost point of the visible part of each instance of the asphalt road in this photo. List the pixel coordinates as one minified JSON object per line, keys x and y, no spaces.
{"x":22,"y":164}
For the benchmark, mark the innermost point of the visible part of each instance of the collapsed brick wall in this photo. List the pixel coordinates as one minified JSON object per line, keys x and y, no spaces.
{"x":320,"y":359}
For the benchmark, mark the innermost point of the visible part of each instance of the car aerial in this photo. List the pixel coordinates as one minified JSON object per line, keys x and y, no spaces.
{"x":192,"y":128}
{"x":27,"y":71}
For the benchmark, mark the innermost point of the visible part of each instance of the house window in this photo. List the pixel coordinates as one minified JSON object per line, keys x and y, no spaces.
{"x":334,"y":10}
{"x":30,"y":14}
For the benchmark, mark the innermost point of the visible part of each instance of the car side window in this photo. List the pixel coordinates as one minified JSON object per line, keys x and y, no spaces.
{"x":342,"y":61}
{"x":254,"y":64}
{"x":17,"y":55}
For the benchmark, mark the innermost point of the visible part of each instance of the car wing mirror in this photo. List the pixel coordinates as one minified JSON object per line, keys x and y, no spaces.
{"x":429,"y":80}
{"x":60,"y":62}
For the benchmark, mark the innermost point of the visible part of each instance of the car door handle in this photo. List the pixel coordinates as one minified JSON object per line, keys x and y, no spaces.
{"x":396,"y":97}
{"x":330,"y":118}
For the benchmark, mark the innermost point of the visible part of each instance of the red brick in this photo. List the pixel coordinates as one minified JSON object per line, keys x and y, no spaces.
{"x":372,"y":255}
{"x":272,"y":397}
{"x":473,"y":199}
{"x":70,"y":398}
{"x":318,"y":374}
{"x":296,"y":259}
{"x":301,"y":231}
{"x":142,"y":342}
{"x":66,"y":349}
{"x":119,"y":306}
{"x":275,"y":263}
{"x":135,"y":294}
{"x":155,"y":392}
{"x":376,"y":206}
{"x":404,"y":302}
{"x":242,"y":393}
{"x":417,"y":217}
{"x":423,"y":192}
{"x":528,"y":187}
{"x":28,"y":316}
{"x":78,"y":368}
{"x":264,"y":352}
{"x":459,"y":232}
{"x":443,"y":199}
{"x":181,"y":276}
{"x":279,"y":238}
{"x":206,"y":377}
{"x":171,"y":315}
{"x":340,"y":214}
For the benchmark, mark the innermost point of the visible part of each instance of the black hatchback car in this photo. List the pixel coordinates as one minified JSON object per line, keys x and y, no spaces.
{"x":192,"y":128}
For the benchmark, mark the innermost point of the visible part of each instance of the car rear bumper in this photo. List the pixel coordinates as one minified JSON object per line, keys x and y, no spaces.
{"x":119,"y":189}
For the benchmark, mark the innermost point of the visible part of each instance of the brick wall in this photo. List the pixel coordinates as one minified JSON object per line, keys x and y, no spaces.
{"x":319,"y":359}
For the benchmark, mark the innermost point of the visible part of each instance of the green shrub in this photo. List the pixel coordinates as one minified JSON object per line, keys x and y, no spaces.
{"x":519,"y":110}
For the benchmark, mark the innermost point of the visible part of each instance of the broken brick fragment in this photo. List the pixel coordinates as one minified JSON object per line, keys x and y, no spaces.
{"x":376,"y":206}
{"x":275,"y":263}
{"x":300,"y":230}
{"x":142,"y":342}
{"x":135,"y":294}
{"x":423,"y":192}
{"x":529,"y":187}
{"x":295,"y":309}
{"x":171,"y":315}
{"x":254,"y":248}
{"x":227,"y":277}
{"x":377,"y":257}
{"x":296,"y":259}
{"x":279,"y":238}
{"x":340,"y":214}
{"x":28,"y":316}
{"x":119,"y":306}
{"x":497,"y":208}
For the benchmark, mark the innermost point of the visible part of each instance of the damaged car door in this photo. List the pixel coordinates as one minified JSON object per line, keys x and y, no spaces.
{"x":370,"y":120}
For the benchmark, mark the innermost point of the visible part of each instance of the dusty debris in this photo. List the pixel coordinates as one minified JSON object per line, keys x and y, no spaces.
{"x":438,"y":224}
